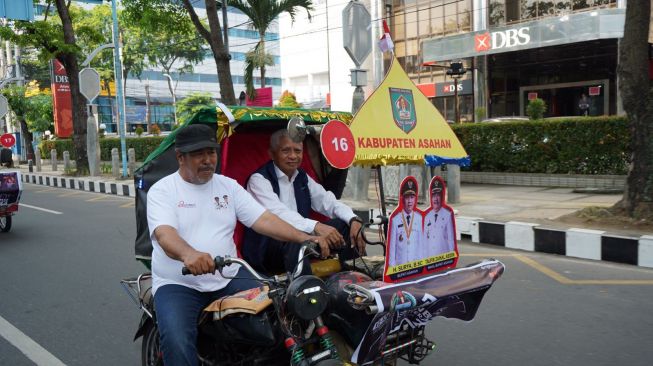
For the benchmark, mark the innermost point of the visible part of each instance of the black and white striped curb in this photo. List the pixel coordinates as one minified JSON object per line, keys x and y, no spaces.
{"x":574,"y":242}
{"x":82,"y":184}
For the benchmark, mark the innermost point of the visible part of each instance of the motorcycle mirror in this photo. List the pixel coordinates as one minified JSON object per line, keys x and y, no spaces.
{"x":297,"y":129}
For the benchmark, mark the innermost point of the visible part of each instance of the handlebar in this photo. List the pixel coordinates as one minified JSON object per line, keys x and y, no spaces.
{"x":221,"y":262}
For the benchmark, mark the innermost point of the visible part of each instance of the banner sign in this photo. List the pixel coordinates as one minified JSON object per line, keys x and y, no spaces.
{"x":10,"y":190}
{"x":135,"y":114}
{"x":420,"y":242}
{"x":61,"y":100}
{"x":399,"y":124}
{"x":455,"y":294}
{"x":263,"y":98}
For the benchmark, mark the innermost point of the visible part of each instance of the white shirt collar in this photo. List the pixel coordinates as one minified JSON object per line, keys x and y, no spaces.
{"x":281,"y":174}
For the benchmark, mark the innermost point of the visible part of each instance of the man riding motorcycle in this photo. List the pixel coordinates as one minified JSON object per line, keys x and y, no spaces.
{"x":192,"y":215}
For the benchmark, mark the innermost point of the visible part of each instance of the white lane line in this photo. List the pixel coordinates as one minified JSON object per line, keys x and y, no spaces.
{"x":40,"y":209}
{"x":27,"y":346}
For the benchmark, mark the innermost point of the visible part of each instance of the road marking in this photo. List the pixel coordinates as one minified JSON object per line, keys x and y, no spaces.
{"x":128,"y":205}
{"x":40,"y":209}
{"x":98,"y":198}
{"x":27,"y":346}
{"x":47,"y":190}
{"x":567,"y":281}
{"x":70,"y":194}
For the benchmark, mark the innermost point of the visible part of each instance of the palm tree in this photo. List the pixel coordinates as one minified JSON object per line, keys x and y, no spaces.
{"x":262,"y":13}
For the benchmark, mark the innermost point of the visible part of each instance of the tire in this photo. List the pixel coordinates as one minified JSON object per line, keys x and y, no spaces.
{"x":151,"y":349}
{"x":5,"y":223}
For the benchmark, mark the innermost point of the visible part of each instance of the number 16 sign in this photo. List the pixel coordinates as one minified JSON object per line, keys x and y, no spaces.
{"x":337,"y":144}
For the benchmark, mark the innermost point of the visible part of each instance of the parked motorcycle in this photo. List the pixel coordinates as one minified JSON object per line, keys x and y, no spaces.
{"x":303,"y":320}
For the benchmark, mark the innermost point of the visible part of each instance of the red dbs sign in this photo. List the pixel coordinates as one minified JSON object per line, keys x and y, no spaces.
{"x":61,"y":101}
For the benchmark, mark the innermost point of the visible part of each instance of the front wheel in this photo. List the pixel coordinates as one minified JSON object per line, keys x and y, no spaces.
{"x":5,"y":223}
{"x":151,"y":350}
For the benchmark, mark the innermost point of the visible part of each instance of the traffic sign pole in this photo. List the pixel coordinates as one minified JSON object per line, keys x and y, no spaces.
{"x":357,"y":41}
{"x":89,"y":86}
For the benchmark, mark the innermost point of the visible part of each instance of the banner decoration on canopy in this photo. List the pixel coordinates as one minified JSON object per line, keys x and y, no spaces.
{"x":398,"y":124}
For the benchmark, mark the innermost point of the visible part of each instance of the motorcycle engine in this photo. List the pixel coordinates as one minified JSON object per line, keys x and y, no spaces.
{"x":306,"y":297}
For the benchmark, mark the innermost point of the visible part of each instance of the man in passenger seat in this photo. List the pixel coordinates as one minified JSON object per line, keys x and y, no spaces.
{"x":285,"y":189}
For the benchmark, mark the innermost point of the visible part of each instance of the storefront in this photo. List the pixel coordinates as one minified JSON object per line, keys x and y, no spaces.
{"x":443,"y":97}
{"x":563,"y":60}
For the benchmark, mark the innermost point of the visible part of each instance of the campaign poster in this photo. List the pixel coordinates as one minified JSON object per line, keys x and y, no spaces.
{"x":420,"y":242}
{"x":404,"y":252}
{"x":439,"y":239}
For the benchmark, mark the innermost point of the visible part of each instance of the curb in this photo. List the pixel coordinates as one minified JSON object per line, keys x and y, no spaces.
{"x":574,"y":242}
{"x":82,"y":184}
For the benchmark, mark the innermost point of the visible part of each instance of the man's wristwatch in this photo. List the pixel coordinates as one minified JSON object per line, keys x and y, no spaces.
{"x":355,"y":218}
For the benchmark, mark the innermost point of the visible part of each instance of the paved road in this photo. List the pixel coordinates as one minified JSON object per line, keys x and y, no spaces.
{"x":60,"y":301}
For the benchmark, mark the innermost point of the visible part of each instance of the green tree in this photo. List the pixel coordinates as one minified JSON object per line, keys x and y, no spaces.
{"x":536,"y":108}
{"x":18,"y":105}
{"x":171,"y":13}
{"x":56,"y":37}
{"x":187,"y":107}
{"x":637,"y":96}
{"x":39,"y":116}
{"x":262,"y":13}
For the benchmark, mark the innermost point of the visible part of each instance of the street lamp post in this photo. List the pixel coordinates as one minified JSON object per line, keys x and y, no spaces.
{"x":122,"y":125}
{"x":456,"y":70}
{"x":174,"y":97}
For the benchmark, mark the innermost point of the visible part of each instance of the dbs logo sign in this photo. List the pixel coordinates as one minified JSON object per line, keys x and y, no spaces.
{"x":482,"y":42}
{"x":502,"y":39}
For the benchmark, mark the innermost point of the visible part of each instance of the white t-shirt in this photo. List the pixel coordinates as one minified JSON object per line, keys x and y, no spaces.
{"x":204,"y":215}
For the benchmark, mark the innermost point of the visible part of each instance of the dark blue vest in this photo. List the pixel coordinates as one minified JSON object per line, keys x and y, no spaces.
{"x":254,"y":244}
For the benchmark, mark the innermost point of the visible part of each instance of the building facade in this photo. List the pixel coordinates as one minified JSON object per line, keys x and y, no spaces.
{"x":562,"y":51}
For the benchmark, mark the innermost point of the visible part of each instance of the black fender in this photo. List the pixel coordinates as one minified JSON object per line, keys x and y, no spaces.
{"x":146,"y":320}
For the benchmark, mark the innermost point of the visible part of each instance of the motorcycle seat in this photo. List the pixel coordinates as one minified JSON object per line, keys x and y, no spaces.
{"x":145,"y":288}
{"x":251,"y":301}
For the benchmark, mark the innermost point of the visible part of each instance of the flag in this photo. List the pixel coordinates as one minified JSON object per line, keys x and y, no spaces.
{"x":385,"y":43}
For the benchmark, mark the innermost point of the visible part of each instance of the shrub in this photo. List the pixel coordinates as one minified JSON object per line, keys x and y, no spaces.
{"x":480,"y":113}
{"x":139,"y":131}
{"x":535,"y":108}
{"x":576,"y":145}
{"x":155,"y":130}
{"x":142,"y":146}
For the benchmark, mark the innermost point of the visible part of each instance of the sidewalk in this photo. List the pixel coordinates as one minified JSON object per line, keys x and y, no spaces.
{"x":515,"y":217}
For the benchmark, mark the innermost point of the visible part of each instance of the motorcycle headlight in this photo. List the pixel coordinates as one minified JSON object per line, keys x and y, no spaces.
{"x":307,"y":297}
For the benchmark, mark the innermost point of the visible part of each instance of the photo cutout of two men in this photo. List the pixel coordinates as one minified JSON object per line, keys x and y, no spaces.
{"x":420,"y":242}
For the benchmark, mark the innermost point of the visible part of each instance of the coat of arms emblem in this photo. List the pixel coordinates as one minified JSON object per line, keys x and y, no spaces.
{"x":403,"y":109}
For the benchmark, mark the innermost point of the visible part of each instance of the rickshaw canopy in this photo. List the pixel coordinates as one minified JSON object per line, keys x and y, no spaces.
{"x":398,"y":124}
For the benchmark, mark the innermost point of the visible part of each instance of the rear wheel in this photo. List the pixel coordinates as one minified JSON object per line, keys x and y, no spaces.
{"x":5,"y":223}
{"x":151,"y":350}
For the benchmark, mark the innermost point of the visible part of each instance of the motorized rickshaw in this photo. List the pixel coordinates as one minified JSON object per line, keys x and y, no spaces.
{"x":362,"y":330}
{"x":10,"y":191}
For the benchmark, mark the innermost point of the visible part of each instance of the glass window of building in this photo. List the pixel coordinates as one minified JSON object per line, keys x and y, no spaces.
{"x":424,"y":20}
{"x":465,"y":16}
{"x":513,"y":8}
{"x":437,"y":18}
{"x":450,"y":18}
{"x":411,"y":23}
{"x":497,"y":13}
{"x":399,"y":25}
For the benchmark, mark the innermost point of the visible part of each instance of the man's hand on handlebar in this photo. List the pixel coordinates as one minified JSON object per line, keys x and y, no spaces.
{"x":199,"y":263}
{"x":330,"y":234}
{"x":356,"y":237}
{"x":325,"y":251}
